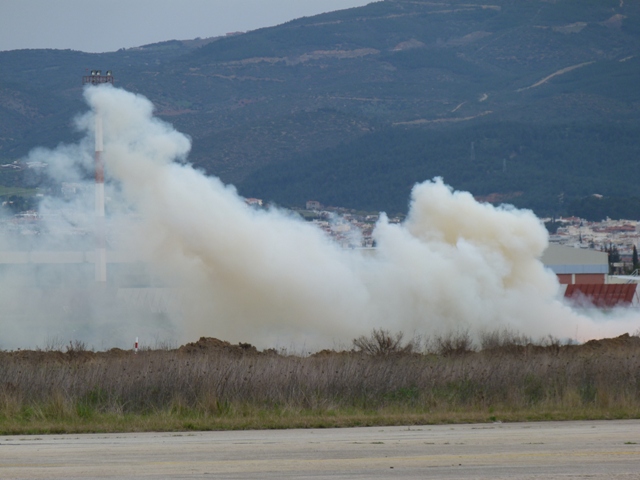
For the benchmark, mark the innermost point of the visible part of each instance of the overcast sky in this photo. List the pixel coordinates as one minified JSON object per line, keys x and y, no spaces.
{"x":107,"y":25}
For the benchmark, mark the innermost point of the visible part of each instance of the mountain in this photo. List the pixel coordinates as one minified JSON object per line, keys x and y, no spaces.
{"x":535,"y":102}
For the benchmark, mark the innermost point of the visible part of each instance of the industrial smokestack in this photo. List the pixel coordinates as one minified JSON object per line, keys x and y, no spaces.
{"x":101,"y":252}
{"x":96,"y":78}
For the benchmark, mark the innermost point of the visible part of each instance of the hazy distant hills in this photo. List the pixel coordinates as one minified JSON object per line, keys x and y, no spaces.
{"x":532,"y":102}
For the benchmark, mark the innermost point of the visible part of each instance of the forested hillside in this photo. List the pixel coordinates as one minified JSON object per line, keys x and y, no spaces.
{"x":534,"y":103}
{"x":534,"y":166}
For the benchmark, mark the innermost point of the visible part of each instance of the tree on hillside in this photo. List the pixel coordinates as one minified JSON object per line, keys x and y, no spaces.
{"x":614,"y":257}
{"x":636,"y":265}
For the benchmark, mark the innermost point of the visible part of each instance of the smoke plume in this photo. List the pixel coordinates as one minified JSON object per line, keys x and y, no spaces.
{"x":269,"y":278}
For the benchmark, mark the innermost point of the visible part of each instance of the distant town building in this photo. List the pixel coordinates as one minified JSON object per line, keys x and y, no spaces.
{"x":253,"y":202}
{"x":576,"y":265}
{"x":12,"y":166}
{"x":583,"y":274}
{"x":313,"y":205}
{"x":22,"y":165}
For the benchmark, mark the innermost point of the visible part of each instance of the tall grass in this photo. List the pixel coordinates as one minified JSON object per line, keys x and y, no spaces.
{"x":505,"y":378}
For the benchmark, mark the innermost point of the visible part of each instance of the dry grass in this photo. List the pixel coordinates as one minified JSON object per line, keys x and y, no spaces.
{"x":213,"y":385}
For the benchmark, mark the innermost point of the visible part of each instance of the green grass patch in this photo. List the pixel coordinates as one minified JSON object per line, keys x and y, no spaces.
{"x":41,"y":421}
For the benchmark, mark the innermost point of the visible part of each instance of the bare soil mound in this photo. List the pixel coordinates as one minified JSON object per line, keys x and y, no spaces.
{"x":207,"y":345}
{"x":625,"y":341}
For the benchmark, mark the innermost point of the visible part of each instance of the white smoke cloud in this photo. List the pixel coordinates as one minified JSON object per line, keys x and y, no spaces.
{"x":271,"y":279}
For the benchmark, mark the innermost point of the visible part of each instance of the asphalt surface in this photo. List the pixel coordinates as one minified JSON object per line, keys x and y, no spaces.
{"x":566,"y":450}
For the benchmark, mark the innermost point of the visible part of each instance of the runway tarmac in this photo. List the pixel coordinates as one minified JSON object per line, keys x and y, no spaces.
{"x":570,"y":450}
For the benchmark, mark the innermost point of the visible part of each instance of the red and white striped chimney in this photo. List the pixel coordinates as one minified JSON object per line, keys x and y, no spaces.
{"x":101,"y":250}
{"x":96,"y":78}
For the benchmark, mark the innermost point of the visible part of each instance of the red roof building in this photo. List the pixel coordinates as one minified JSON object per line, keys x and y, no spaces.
{"x":605,"y":295}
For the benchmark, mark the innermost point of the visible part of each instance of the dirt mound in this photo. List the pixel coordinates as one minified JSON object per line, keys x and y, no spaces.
{"x":38,"y":356}
{"x":622,"y":342}
{"x":115,"y":353}
{"x":329,"y":353}
{"x":213,"y":345}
